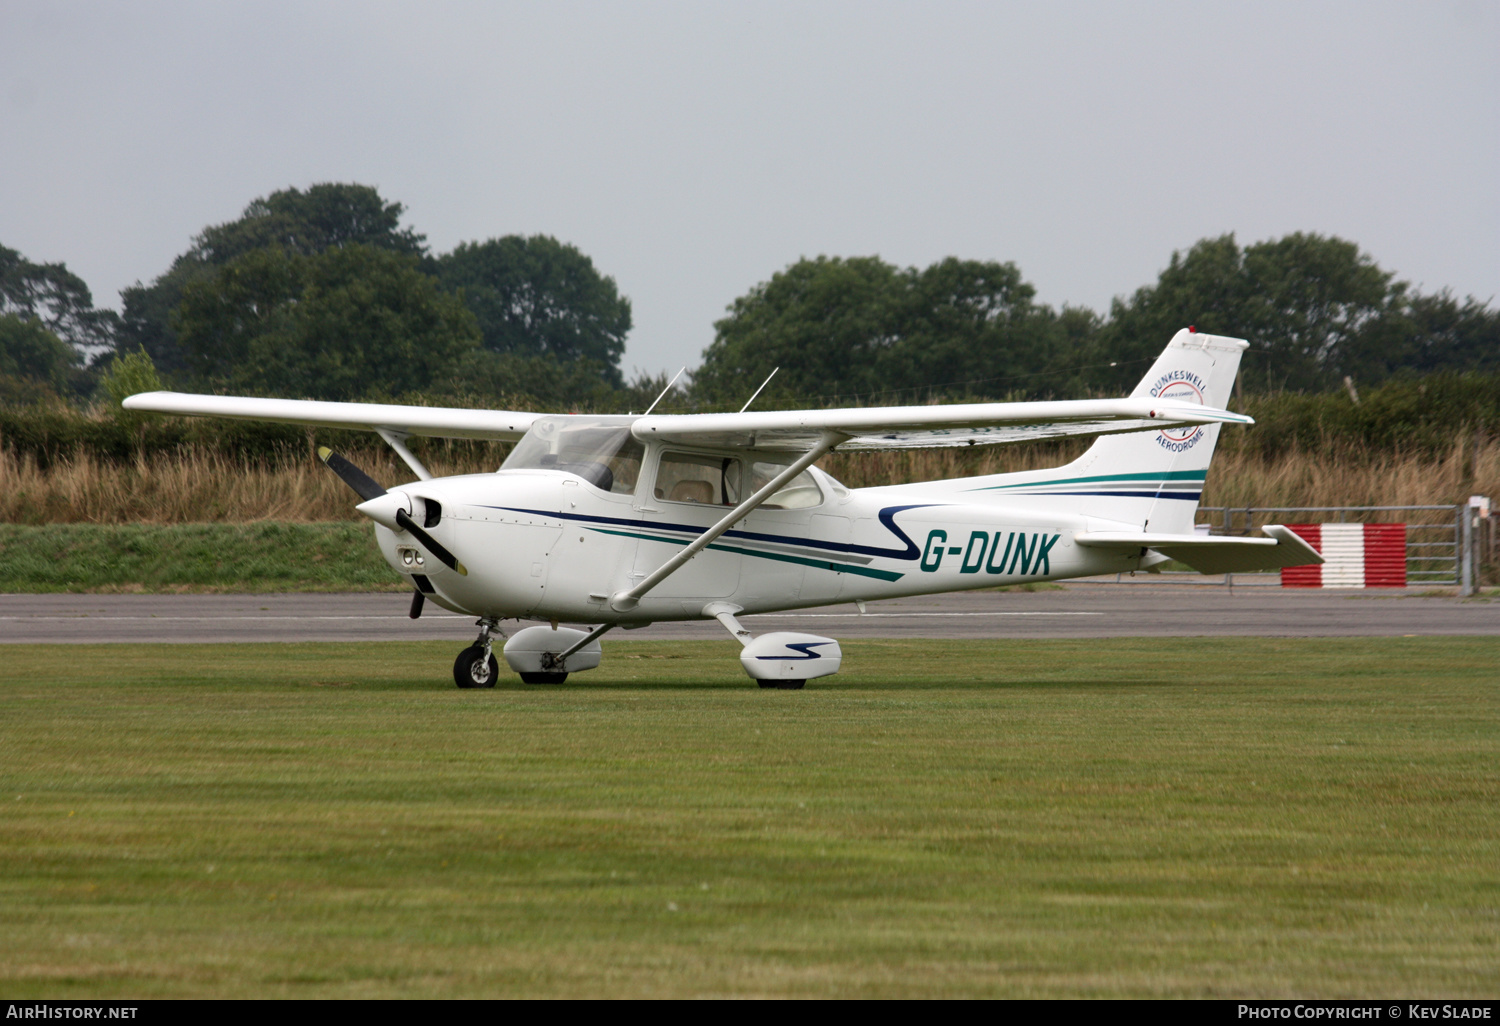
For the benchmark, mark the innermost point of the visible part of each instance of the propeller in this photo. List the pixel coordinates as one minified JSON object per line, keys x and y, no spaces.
{"x":367,"y":489}
{"x":363,"y":484}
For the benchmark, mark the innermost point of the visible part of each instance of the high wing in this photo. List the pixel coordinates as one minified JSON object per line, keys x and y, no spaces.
{"x":919,"y":427}
{"x":432,"y":422}
{"x":873,"y":428}
{"x":1208,"y":554}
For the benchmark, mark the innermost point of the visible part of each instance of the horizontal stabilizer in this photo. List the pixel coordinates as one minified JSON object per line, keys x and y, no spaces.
{"x":1209,"y":554}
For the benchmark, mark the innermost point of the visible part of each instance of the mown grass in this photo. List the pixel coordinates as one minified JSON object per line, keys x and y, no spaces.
{"x":258,"y":557}
{"x":1093,"y":818}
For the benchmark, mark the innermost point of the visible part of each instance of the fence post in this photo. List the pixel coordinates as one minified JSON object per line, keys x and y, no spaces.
{"x":1465,"y":550}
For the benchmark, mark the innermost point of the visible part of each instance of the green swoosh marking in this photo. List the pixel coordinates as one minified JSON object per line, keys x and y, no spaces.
{"x":820,"y":564}
{"x":1168,"y":475}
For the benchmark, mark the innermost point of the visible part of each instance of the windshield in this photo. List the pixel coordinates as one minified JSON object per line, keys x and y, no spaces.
{"x":607,"y":456}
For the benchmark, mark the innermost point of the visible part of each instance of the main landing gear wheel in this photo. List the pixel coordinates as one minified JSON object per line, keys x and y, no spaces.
{"x":783,"y":685}
{"x":475,"y":668}
{"x":543,"y":678}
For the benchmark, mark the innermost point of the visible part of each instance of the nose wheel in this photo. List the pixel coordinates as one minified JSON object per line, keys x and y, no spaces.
{"x":476,"y":666}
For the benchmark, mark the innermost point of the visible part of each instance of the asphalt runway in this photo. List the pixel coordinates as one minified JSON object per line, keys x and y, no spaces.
{"x":1075,"y":611}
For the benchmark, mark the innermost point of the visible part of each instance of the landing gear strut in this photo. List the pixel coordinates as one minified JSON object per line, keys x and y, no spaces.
{"x":476,"y":666}
{"x":774,"y":661}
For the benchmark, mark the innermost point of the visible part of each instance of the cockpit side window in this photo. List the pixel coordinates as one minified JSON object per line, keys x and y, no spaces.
{"x":691,"y":477}
{"x":607,"y":456}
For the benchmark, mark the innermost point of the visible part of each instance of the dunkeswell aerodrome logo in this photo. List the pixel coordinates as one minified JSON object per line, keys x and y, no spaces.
{"x":1186,"y":386}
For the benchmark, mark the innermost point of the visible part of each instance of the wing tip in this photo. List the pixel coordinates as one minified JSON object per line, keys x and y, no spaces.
{"x":138,"y":401}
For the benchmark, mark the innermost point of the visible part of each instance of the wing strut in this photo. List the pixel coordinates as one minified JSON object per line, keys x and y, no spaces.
{"x":559,"y":661}
{"x":397,"y":442}
{"x":624,"y":601}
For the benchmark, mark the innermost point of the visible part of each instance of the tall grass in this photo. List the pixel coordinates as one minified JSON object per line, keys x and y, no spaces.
{"x":191,"y":486}
{"x":1337,"y":475}
{"x":1340,"y":479}
{"x":197,"y":485}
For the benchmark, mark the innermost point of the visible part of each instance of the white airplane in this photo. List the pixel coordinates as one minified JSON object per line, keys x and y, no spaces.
{"x":622,"y":521}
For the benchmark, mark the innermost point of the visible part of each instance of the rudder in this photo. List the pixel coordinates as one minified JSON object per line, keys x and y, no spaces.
{"x":1149,"y":479}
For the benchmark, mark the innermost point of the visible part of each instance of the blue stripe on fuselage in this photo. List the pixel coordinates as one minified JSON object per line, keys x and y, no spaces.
{"x":887,"y":517}
{"x":1186,"y":496}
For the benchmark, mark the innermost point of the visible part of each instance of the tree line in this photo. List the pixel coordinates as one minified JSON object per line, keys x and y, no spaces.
{"x":1315,"y":309}
{"x":324,"y":293}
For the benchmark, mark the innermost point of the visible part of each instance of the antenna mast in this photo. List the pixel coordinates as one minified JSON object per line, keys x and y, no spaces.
{"x":759,"y":390}
{"x":664,"y":391}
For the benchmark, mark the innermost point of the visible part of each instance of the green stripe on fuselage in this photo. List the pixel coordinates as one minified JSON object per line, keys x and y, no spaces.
{"x":821,"y":564}
{"x":1163,"y":476}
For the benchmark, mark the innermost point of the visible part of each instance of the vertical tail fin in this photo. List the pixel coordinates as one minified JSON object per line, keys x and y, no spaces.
{"x":1149,"y":479}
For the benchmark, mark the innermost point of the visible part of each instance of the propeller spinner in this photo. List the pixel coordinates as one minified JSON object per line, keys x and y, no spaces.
{"x":385,"y":512}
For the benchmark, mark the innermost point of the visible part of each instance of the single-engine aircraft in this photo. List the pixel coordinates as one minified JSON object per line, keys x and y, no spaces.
{"x":622,"y":521}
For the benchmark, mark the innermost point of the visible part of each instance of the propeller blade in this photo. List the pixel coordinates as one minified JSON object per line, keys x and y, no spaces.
{"x":430,"y":543}
{"x":417,"y":599}
{"x":362,"y":483}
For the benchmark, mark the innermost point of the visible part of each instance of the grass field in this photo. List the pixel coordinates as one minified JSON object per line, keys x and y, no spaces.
{"x":241,"y":558}
{"x":1235,"y":817}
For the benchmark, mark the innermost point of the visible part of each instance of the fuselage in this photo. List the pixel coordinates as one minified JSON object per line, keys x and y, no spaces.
{"x":552,"y":545}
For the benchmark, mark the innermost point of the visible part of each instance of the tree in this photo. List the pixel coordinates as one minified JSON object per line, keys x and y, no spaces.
{"x":1305,"y":302}
{"x":146,"y":315}
{"x":326,"y":216}
{"x":540,"y":297}
{"x":1309,"y":301}
{"x":226,"y":319}
{"x":129,"y":375}
{"x":58,"y":299}
{"x":861,"y":327}
{"x":972,"y":328}
{"x":1428,"y":335}
{"x":28,"y":350}
{"x":343,"y":324}
{"x":824,"y":322}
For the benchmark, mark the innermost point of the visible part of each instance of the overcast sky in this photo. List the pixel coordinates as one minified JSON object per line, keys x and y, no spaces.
{"x":694,"y":149}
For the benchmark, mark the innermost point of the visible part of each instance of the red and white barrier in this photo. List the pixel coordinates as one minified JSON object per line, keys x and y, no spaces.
{"x":1355,"y":556}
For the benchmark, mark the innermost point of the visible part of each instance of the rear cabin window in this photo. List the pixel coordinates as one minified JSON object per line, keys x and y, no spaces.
{"x":721,"y":481}
{"x":801,"y":492}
